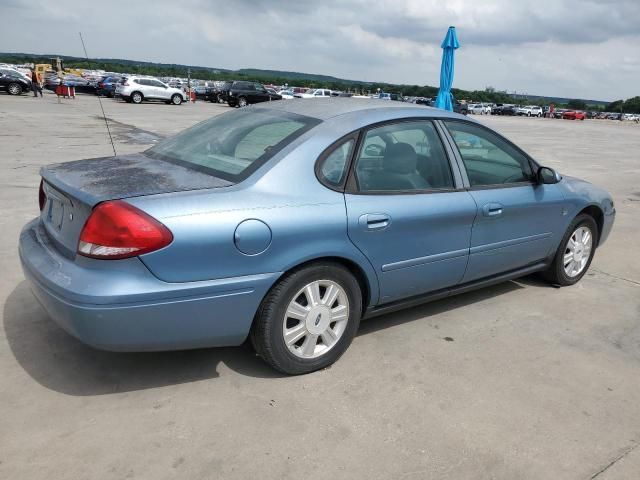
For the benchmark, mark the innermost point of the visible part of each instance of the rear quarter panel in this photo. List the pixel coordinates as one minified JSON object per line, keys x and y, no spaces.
{"x":306,"y":220}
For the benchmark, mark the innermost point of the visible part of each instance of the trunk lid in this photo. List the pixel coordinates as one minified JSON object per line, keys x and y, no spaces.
{"x":72,"y":189}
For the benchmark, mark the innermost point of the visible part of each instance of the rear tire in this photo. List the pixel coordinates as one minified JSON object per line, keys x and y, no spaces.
{"x":136,"y":97}
{"x":574,"y":253}
{"x":242,"y":102}
{"x":295,"y":333}
{"x":14,"y":89}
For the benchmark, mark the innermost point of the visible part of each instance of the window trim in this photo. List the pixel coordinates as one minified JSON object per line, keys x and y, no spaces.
{"x":327,"y":152}
{"x":533,"y":165}
{"x":352,"y":187}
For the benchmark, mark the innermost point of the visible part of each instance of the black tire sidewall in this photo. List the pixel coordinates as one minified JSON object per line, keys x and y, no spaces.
{"x":559,"y":274}
{"x":277,"y":354}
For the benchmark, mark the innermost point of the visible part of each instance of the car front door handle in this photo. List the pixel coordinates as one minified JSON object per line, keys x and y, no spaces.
{"x":492,"y":209}
{"x":374,"y":221}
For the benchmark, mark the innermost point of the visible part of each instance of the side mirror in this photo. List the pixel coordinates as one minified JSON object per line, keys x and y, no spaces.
{"x":548,"y":176}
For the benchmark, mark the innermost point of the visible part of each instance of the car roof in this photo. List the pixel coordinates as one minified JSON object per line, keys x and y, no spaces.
{"x":335,"y":106}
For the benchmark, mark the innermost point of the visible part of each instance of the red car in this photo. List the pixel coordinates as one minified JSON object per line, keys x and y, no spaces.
{"x":573,"y":115}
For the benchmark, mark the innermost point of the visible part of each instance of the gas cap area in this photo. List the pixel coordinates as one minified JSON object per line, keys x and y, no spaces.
{"x":252,"y":236}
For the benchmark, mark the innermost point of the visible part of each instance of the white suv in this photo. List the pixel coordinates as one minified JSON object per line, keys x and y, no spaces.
{"x":314,"y":93}
{"x":137,"y":89}
{"x":530,"y":111}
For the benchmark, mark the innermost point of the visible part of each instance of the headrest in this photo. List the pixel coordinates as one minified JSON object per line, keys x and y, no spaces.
{"x":400,"y":158}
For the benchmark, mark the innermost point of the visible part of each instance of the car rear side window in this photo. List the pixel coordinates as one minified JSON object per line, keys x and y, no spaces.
{"x":488,"y":159}
{"x":403,"y":157}
{"x":233,"y":145}
{"x":333,"y":167}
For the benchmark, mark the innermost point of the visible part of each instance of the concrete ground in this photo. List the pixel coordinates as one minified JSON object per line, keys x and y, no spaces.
{"x":517,"y":381}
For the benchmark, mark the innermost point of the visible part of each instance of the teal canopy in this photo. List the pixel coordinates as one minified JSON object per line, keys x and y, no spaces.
{"x":449,"y":45}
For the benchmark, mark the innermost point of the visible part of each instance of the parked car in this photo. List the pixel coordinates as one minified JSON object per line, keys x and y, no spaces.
{"x":476,"y":108}
{"x":314,"y":93}
{"x":509,"y":110}
{"x":530,"y":111}
{"x":244,"y":93}
{"x":220,"y":91}
{"x":461,"y":108}
{"x":286,"y":94}
{"x":138,"y":89}
{"x":573,"y":115}
{"x":424,"y":101}
{"x":287,"y":227}
{"x":13,"y":82}
{"x":107,"y":86}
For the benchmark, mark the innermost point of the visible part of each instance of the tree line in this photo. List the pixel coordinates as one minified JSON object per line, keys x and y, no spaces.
{"x":488,"y":95}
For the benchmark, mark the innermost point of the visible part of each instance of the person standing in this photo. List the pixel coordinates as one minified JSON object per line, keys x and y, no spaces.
{"x":35,"y":83}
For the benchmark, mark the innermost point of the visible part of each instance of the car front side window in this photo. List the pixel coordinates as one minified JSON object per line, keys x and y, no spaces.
{"x":488,"y":159}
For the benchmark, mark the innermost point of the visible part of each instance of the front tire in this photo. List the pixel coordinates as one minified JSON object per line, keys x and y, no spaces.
{"x":308,"y":319}
{"x":176,"y":99}
{"x":575,"y":253}
{"x":14,"y":89}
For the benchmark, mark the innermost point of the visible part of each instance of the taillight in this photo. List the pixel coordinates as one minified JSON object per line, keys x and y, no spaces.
{"x":42,"y":197}
{"x":116,"y":229}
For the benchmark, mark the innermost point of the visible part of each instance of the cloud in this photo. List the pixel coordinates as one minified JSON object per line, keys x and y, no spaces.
{"x":576,"y":48}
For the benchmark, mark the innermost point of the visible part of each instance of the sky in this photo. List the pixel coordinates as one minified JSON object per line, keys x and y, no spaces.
{"x":572,"y":48}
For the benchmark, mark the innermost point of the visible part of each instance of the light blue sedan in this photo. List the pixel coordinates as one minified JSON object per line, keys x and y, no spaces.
{"x":289,"y":222}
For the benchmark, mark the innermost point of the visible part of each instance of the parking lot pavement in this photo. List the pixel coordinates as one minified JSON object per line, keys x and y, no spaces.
{"x":517,"y":381}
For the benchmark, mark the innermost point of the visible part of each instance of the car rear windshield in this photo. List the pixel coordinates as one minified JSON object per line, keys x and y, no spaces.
{"x":234,"y":145}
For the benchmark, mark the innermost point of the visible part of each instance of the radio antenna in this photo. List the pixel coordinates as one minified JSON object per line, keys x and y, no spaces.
{"x":106,"y":122}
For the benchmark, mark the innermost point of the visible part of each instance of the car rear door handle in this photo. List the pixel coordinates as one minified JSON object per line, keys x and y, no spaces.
{"x":375,"y":221}
{"x":492,"y":209}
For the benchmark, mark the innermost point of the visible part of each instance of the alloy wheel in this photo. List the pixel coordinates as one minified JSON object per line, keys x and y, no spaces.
{"x":14,"y":89}
{"x":316,"y":319}
{"x":577,"y":251}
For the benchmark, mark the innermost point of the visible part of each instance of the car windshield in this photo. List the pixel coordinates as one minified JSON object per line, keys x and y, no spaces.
{"x":233,"y":145}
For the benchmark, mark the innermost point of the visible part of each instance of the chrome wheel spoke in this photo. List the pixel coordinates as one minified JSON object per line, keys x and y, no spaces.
{"x":297,"y":311}
{"x":329,"y":337}
{"x":568,"y":258}
{"x":312,"y":292}
{"x":330,"y":295}
{"x":292,"y":335}
{"x":339,"y":313}
{"x":309,"y":345}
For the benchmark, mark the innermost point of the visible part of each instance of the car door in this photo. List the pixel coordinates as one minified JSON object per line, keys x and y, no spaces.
{"x":261,"y":94}
{"x":407,"y":210}
{"x":161,"y":90}
{"x":147,"y":89}
{"x":519,"y":220}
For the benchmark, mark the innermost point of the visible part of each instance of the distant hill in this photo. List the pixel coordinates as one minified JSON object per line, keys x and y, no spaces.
{"x":275,"y":76}
{"x":558,"y":100}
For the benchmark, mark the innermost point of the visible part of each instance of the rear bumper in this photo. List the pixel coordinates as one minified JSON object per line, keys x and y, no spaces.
{"x":119,"y":305}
